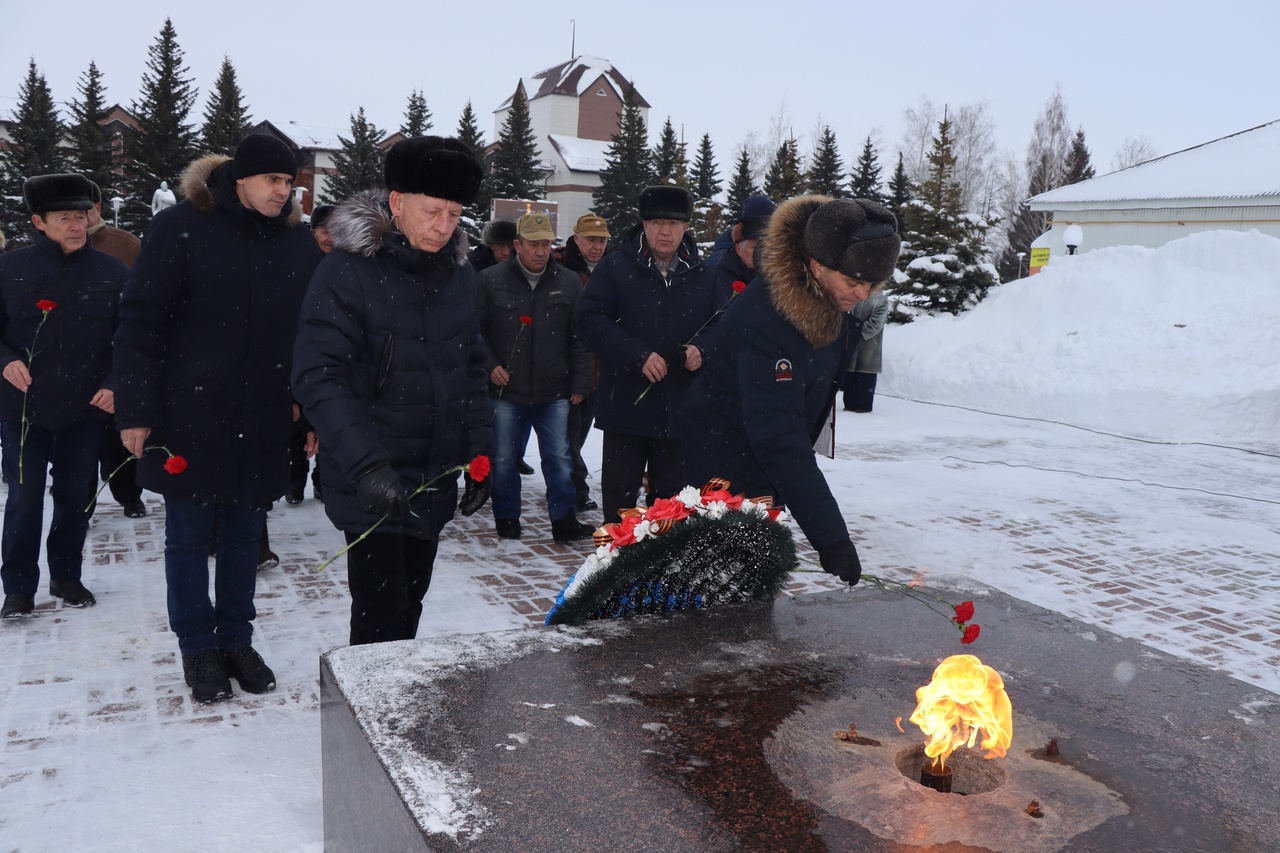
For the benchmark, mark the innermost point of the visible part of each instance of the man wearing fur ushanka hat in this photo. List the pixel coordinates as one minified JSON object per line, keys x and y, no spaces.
{"x":770,"y":378}
{"x":389,"y":368}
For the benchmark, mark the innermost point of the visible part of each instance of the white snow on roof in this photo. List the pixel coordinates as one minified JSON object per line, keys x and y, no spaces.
{"x":581,"y":155}
{"x":592,"y":67}
{"x":1243,"y":165}
{"x":310,"y":136}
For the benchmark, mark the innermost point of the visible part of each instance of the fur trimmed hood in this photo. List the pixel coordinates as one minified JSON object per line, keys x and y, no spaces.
{"x":784,"y":264}
{"x":360,"y":223}
{"x":194,"y":186}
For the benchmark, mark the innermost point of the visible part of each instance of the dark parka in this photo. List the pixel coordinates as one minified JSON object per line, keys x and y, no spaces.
{"x":73,"y":350}
{"x":205,"y":340}
{"x":629,"y":311}
{"x":768,"y":383}
{"x":389,"y":366}
{"x":730,"y":269}
{"x":546,"y":360}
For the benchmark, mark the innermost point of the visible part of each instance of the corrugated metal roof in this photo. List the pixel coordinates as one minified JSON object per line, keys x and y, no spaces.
{"x":1242,"y":165}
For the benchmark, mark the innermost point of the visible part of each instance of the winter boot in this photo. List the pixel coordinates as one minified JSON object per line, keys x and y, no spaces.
{"x":17,"y":605}
{"x":567,"y":528}
{"x":508,"y":528}
{"x":247,"y":667}
{"x":206,"y":677}
{"x":72,"y":593}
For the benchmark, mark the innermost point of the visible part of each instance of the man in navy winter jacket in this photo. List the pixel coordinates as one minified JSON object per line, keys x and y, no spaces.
{"x":777,"y":358}
{"x":58,"y":309}
{"x":643,"y":313}
{"x":203,"y":354}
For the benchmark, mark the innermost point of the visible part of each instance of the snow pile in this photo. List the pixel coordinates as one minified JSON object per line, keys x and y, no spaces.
{"x":1180,"y":343}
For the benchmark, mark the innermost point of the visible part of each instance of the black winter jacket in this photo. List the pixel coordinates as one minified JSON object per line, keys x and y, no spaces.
{"x":73,"y":350}
{"x":628,"y":311}
{"x":389,"y":367}
{"x":205,"y":339}
{"x":768,"y":384}
{"x":546,"y":359}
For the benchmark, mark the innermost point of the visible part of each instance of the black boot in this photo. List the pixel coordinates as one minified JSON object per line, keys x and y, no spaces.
{"x":567,"y":528}
{"x":206,"y":677}
{"x":247,"y":667}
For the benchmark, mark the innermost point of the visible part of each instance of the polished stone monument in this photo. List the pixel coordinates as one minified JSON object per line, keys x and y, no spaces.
{"x":714,"y":731}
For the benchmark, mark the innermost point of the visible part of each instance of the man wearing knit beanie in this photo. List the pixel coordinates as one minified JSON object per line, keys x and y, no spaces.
{"x":770,"y":377}
{"x":202,"y":361}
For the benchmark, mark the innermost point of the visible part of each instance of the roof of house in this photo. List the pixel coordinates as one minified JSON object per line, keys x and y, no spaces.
{"x":572,"y":78}
{"x":581,"y":155}
{"x":1240,"y":166}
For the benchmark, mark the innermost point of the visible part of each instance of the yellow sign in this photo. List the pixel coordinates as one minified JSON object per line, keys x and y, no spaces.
{"x":1039,"y":257}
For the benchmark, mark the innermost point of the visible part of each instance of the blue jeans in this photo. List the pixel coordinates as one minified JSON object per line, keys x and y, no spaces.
{"x":73,"y":454}
{"x":203,"y":625}
{"x":511,"y":422}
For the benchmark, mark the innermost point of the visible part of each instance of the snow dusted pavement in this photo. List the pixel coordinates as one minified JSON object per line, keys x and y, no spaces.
{"x":1176,"y":545}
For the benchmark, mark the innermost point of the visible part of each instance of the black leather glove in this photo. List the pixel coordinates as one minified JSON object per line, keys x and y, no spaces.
{"x":673,"y":354}
{"x":841,"y":560}
{"x":476,"y":495}
{"x":379,"y":491}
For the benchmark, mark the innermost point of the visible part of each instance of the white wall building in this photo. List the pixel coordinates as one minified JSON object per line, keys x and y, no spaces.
{"x":574,"y":110}
{"x":1232,"y":183}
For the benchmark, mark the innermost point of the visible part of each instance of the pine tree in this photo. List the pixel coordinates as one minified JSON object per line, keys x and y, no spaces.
{"x":93,"y":156}
{"x":358,"y":165}
{"x":417,"y":118}
{"x":945,"y":259}
{"x":517,"y":170}
{"x":33,"y":150}
{"x":628,"y":169}
{"x":784,"y":179}
{"x":665,"y":154}
{"x":1077,"y":168}
{"x":865,"y":180}
{"x":741,"y":188}
{"x":705,"y":177}
{"x":900,"y":190}
{"x":165,"y":143}
{"x":826,"y":172}
{"x":477,"y":213}
{"x":226,"y":118}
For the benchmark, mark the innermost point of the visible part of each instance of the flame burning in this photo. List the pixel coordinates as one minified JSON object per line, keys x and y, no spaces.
{"x":965,"y":698}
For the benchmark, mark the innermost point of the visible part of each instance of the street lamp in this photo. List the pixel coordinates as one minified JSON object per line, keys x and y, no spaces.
{"x":116,"y":204}
{"x":1021,"y":255}
{"x":1072,"y":237}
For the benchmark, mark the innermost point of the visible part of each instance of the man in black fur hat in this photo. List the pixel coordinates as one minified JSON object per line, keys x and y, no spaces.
{"x":202,"y":355}
{"x":645,"y":312}
{"x":389,"y":369}
{"x":58,"y":308}
{"x":775,"y":363}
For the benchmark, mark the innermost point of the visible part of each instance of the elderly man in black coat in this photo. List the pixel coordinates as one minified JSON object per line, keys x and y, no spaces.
{"x":58,"y":308}
{"x":389,"y":369}
{"x":776,"y":360}
{"x":644,"y":313}
{"x":202,"y":355}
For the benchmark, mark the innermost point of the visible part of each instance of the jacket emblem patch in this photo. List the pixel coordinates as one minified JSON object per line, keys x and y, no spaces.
{"x":782,"y":370}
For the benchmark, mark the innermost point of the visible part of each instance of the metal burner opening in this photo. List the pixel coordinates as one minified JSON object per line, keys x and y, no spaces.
{"x":970,"y":772}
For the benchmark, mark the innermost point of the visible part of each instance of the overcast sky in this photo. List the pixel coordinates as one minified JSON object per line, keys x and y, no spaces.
{"x":1179,"y":73}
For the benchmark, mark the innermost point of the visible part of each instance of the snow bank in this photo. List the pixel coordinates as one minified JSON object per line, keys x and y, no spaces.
{"x":1180,"y":343}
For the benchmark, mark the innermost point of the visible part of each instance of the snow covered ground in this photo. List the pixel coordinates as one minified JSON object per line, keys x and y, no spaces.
{"x":1102,"y":439}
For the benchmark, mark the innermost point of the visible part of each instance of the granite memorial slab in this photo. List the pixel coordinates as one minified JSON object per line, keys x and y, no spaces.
{"x":716,"y":731}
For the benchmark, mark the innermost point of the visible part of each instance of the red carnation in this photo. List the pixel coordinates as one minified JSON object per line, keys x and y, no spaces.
{"x":175,"y":464}
{"x":478,"y":469}
{"x":739,"y":286}
{"x":667,"y":508}
{"x":526,"y":320}
{"x":46,"y":305}
{"x":964,"y":612}
{"x":970,"y":633}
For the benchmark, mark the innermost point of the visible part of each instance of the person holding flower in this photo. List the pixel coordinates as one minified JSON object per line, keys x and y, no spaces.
{"x":771,"y":375}
{"x":645,"y":313}
{"x":59,"y":303}
{"x":389,"y":369}
{"x":537,"y":368}
{"x":202,"y":356}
